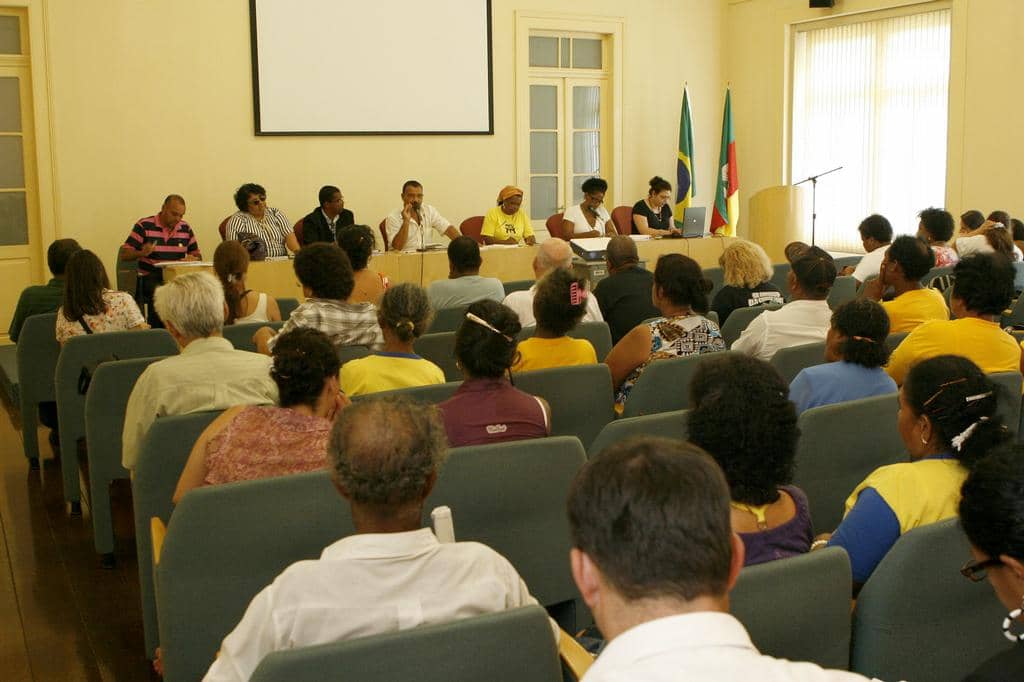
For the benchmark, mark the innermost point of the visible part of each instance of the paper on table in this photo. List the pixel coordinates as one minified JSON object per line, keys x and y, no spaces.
{"x":499,"y":246}
{"x":640,"y":237}
{"x":185,"y":263}
{"x":592,"y":243}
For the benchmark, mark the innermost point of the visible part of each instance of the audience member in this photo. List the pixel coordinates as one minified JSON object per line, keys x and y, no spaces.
{"x":247,"y":442}
{"x":624,"y":296}
{"x":559,"y":305}
{"x":254,"y":219}
{"x":906,"y":263}
{"x":327,"y":282}
{"x":357,"y":243}
{"x":90,"y":306}
{"x":553,"y":253}
{"x":163,"y":238}
{"x":971,"y":221}
{"x":992,"y":516}
{"x":589,"y":218}
{"x":464,"y":284}
{"x":325,"y":222}
{"x":681,"y":295}
{"x":653,"y":215}
{"x":385,"y":456}
{"x":855,"y":353}
{"x":40,"y":299}
{"x":413,"y":225}
{"x":747,"y":273}
{"x":756,"y":452}
{"x":990,"y":238}
{"x":209,"y":374}
{"x":654,"y":557}
{"x":948,"y":421}
{"x":1017,"y":227}
{"x":875,"y":235}
{"x":231,"y":263}
{"x":486,"y":408}
{"x":404,"y":316}
{"x":507,"y":223}
{"x":804,"y":319}
{"x":982,"y":289}
{"x":936,"y":227}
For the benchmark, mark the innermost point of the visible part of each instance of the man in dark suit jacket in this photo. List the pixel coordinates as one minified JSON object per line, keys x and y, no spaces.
{"x":323,"y":223}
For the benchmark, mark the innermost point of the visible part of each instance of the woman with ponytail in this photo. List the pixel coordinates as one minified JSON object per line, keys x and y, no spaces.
{"x":404,"y":315}
{"x":260,"y":441}
{"x":855,"y":353}
{"x":231,"y":263}
{"x":948,"y":422}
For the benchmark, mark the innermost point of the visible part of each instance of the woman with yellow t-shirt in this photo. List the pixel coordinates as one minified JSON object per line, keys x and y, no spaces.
{"x":558,"y":305}
{"x":404,"y":315}
{"x":507,"y":223}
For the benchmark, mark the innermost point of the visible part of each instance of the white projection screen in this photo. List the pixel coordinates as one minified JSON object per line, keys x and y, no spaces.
{"x":372,"y":67}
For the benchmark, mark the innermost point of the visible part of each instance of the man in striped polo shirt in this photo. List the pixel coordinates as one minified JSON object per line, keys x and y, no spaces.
{"x":159,"y":238}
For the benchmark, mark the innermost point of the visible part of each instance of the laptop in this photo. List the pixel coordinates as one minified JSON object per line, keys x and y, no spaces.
{"x":693,"y":221}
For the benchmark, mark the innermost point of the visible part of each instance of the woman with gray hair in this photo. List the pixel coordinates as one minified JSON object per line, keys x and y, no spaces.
{"x":404,"y":315}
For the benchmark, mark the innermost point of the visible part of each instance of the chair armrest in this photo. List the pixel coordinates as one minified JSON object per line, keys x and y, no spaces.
{"x":575,"y":657}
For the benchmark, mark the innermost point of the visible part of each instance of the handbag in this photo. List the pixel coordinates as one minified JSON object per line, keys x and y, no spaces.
{"x":254,"y":244}
{"x":85,"y":374}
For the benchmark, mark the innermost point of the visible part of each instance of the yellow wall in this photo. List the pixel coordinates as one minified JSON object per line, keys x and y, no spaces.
{"x":983,"y":146}
{"x":149,"y":98}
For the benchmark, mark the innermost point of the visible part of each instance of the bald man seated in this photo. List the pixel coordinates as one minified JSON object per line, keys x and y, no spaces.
{"x":624,"y":296}
{"x":554,"y":253}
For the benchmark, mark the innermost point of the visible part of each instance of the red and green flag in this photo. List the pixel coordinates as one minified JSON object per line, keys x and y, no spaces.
{"x":685,"y":190}
{"x":726,"y":211}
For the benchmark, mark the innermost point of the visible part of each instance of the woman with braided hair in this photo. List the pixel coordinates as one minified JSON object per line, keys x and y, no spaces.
{"x":948,"y":422}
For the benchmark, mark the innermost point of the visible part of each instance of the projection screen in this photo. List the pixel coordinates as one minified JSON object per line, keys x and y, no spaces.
{"x":372,"y":67}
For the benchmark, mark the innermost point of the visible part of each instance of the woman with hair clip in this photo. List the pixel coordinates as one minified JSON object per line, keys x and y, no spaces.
{"x":404,"y":315}
{"x":260,"y":441}
{"x":855,"y":353}
{"x":487,"y":408}
{"x":90,"y":306}
{"x":559,"y":304}
{"x":948,"y":422}
{"x":231,"y":263}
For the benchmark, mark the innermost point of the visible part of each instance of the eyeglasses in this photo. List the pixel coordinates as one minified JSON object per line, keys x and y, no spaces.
{"x":256,"y":200}
{"x":976,"y":571}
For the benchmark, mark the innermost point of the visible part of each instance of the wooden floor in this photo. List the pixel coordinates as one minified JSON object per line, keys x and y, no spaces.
{"x":62,"y":616}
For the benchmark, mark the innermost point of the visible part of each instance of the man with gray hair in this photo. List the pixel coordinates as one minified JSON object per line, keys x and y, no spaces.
{"x":553,"y":253}
{"x":625,"y":294}
{"x":392,"y":574}
{"x":209,"y":374}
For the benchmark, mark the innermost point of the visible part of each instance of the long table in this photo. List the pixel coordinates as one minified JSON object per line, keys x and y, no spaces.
{"x":277,"y":278}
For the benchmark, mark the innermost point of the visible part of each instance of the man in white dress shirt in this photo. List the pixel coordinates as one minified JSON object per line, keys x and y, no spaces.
{"x":654,"y":557}
{"x":553,"y":253}
{"x":392,"y":574}
{"x":413,"y":226}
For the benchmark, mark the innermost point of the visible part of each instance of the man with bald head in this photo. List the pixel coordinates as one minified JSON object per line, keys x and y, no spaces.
{"x":625,"y":295}
{"x":553,"y":253}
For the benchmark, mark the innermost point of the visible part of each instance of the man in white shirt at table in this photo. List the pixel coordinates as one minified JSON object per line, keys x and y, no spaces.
{"x":413,"y":226}
{"x":553,"y":253}
{"x":654,"y":557}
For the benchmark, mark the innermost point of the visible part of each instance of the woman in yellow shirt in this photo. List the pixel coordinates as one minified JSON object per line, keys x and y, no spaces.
{"x":507,"y":223}
{"x":558,"y":305}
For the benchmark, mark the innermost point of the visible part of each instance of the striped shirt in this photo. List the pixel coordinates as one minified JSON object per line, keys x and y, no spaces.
{"x":172,"y":243}
{"x":273,"y":229}
{"x":347,"y":324}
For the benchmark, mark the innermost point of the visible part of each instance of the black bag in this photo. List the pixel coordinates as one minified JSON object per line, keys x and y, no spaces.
{"x":254,"y":244}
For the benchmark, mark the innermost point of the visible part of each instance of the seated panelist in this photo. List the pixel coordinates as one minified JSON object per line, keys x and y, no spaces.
{"x":257,"y":219}
{"x":507,"y":223}
{"x":414,"y":224}
{"x":325,"y":221}
{"x":653,"y":215}
{"x":589,"y":218}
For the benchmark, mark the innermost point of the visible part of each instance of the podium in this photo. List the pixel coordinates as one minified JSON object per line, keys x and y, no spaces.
{"x":778,"y":216}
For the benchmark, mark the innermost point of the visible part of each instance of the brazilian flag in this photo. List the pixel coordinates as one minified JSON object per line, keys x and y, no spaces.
{"x":685,"y":190}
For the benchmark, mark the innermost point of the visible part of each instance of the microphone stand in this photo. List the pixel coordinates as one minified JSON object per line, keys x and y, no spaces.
{"x":423,"y":235}
{"x":814,"y":197}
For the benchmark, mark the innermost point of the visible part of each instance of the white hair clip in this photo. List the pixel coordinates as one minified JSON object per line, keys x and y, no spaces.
{"x":977,"y":396}
{"x":958,"y":441}
{"x":487,"y":325}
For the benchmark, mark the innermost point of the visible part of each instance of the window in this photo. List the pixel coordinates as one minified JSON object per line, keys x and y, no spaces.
{"x":872,"y":97}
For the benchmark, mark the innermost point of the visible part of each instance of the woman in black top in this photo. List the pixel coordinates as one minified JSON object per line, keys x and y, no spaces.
{"x":747,"y":276}
{"x":653,"y":215}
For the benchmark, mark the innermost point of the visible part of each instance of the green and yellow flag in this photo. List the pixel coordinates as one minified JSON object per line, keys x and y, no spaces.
{"x":685,"y":190}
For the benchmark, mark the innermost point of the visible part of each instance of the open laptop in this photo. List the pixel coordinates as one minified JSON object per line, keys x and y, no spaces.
{"x":693,"y":221}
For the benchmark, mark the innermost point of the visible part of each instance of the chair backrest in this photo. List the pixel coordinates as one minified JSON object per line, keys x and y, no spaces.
{"x":597,"y":333}
{"x":1015,"y":318}
{"x":161,"y":460}
{"x":894,"y":340}
{"x":297,"y":228}
{"x":622,"y":216}
{"x":916,"y":600}
{"x":942,"y":274}
{"x":287,"y":306}
{"x":126,"y":273}
{"x":780,"y":278}
{"x":439,"y":348}
{"x":581,"y":398}
{"x":431,"y":394}
{"x":664,"y":386}
{"x":240,"y":335}
{"x":223,"y":228}
{"x":471,"y":227}
{"x":798,"y":608}
{"x":740,"y":318}
{"x":839,"y":446}
{"x":507,"y":646}
{"x":84,"y":352}
{"x":447,"y":319}
{"x":1009,"y":397}
{"x":346,"y":353}
{"x":789,"y":361}
{"x":843,"y":289}
{"x":38,"y":351}
{"x":226,"y":543}
{"x":554,"y":225}
{"x":517,"y":285}
{"x":717,"y":277}
{"x":664,"y":425}
{"x":384,"y":234}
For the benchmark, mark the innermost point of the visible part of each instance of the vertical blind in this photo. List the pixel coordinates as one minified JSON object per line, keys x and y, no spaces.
{"x":872,"y":97}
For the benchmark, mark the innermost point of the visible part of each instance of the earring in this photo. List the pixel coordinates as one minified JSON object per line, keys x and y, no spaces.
{"x":1008,"y":622}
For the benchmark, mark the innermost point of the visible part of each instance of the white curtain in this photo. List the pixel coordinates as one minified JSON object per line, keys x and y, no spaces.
{"x":872,"y":97}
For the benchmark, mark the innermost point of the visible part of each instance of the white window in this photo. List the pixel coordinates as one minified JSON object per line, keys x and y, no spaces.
{"x":871,"y":96}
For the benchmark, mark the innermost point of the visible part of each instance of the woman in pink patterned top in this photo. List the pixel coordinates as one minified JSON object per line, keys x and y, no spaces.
{"x":90,"y":307}
{"x":250,"y":442}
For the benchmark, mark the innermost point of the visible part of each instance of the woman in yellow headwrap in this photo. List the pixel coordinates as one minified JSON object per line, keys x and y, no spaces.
{"x":507,"y":223}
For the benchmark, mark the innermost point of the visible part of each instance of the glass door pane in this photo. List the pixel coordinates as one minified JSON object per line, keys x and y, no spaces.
{"x":547,"y":131}
{"x":584,"y":145}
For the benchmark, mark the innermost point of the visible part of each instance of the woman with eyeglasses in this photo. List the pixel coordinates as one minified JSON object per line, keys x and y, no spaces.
{"x":589,"y":218}
{"x":255,"y":219}
{"x":992,"y":516}
{"x":947,"y":420}
{"x":487,"y":408}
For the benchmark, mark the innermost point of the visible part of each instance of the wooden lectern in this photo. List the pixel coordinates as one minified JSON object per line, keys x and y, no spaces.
{"x":778,"y":216}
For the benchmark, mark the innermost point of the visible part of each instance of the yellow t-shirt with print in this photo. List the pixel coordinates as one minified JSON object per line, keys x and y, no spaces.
{"x":908,"y":310}
{"x":565,"y":351}
{"x":500,"y":225}
{"x":387,"y":372}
